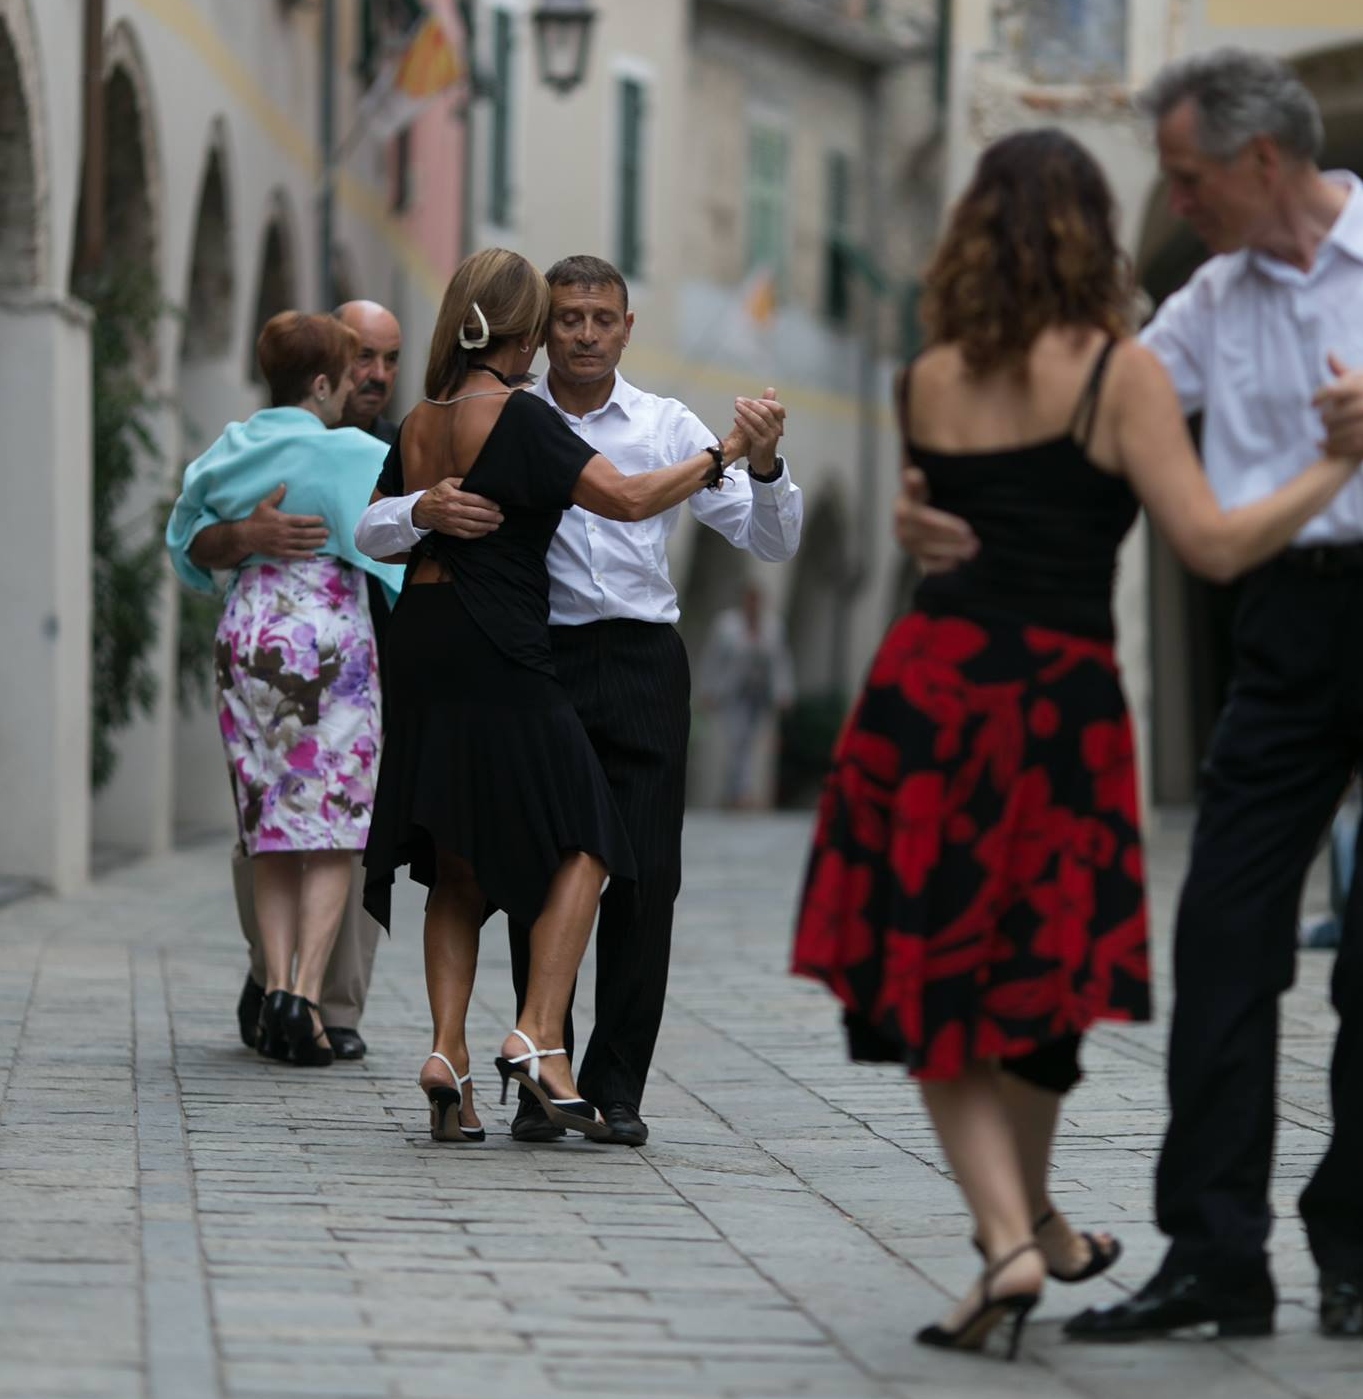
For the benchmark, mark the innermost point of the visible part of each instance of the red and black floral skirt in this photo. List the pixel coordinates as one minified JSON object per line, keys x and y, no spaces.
{"x":975,"y":888}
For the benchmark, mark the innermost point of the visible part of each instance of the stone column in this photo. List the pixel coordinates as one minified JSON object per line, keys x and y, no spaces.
{"x":45,"y":590}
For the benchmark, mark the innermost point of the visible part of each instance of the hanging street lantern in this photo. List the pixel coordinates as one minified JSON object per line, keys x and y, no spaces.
{"x":563,"y":31}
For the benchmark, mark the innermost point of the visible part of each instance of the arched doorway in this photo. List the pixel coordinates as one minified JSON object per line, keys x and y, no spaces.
{"x":210,"y":297}
{"x":816,"y":628}
{"x":1190,"y":619}
{"x":210,"y":396}
{"x":136,"y":445}
{"x":277,"y":278}
{"x":20,"y":227}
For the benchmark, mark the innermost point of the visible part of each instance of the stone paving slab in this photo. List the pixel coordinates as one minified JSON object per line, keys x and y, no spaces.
{"x":180,"y":1219}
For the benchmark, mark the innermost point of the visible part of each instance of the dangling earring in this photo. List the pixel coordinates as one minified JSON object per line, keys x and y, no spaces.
{"x":525,"y":349}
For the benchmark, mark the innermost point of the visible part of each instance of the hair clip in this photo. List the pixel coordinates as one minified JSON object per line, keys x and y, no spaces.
{"x":465,"y":343}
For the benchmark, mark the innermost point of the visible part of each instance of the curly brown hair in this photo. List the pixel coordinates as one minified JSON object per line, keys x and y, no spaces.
{"x":1031,"y":244}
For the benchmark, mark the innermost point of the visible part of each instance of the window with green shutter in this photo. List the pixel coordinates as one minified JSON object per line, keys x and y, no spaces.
{"x":768,"y":162}
{"x":837,"y":285}
{"x":629,"y":214}
{"x":499,"y":187}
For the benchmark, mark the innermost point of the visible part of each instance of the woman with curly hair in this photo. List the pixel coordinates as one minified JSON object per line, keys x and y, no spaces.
{"x":975,"y":895}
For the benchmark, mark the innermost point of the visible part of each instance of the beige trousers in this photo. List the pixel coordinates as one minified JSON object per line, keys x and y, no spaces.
{"x":346,"y":984}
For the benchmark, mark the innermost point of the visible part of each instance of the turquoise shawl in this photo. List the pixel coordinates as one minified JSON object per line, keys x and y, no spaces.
{"x":325,"y":471}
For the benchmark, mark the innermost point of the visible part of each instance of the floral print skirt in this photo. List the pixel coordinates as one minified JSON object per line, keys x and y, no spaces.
{"x":298,"y":705}
{"x":975,"y":888}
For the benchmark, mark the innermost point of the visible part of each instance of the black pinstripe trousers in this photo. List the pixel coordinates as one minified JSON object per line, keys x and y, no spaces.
{"x":631,"y":684}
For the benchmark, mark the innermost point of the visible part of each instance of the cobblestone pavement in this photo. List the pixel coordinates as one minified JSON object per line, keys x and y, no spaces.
{"x":179,"y":1218}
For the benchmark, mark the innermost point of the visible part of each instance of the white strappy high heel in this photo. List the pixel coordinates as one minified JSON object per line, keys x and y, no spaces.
{"x":445,"y":1103}
{"x":576,"y":1113}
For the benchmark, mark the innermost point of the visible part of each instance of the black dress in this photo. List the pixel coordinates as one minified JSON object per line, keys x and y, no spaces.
{"x":484,"y":755}
{"x":976,"y":885}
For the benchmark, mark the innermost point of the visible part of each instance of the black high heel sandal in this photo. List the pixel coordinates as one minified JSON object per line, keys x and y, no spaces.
{"x":1101,"y":1256}
{"x":576,"y":1113}
{"x":972,"y":1333}
{"x":309,"y":1048}
{"x":445,"y":1103}
{"x":271,"y":1040}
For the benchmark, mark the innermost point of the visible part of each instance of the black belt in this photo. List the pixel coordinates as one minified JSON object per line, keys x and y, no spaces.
{"x":1326,"y":560}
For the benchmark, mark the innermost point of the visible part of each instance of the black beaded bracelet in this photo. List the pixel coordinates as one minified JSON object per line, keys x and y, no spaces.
{"x":714,"y":478}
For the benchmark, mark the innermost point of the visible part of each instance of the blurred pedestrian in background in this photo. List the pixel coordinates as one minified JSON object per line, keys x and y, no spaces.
{"x":976,"y":891}
{"x":747,"y":682}
{"x":296,"y":662}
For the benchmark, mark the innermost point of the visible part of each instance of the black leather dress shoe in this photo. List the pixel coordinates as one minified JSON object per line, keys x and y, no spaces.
{"x":627,"y":1127}
{"x":1341,"y":1305}
{"x":345,"y":1044}
{"x":248,"y":1010}
{"x":531,"y":1125}
{"x":1174,"y":1299}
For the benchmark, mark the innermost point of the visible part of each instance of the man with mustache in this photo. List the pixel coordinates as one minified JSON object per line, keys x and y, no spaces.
{"x":274,"y":533}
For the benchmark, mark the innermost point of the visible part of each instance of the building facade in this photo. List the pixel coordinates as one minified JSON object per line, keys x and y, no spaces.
{"x":766,"y":174}
{"x":212,"y":172}
{"x":764,"y":171}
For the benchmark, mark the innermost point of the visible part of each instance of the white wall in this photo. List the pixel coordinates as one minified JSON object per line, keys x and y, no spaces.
{"x":44,"y":591}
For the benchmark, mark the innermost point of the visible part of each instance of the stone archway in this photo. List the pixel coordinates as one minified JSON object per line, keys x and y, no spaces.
{"x":210,"y":397}
{"x":816,"y":629}
{"x":210,"y":300}
{"x":135,"y":461}
{"x":815,"y":610}
{"x":345,"y":282}
{"x":277,"y":279}
{"x":22,"y":227}
{"x":132,"y":178}
{"x":1190,"y":619}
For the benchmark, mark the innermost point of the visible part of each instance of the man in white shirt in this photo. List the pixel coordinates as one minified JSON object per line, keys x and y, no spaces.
{"x":612,"y":607}
{"x":1256,"y":342}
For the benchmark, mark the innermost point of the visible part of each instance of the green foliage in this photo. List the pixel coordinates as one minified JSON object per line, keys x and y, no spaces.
{"x":809,"y":729}
{"x":126,"y":575}
{"x":198,"y":626}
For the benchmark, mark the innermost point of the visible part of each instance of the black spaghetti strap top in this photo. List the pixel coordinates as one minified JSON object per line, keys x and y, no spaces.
{"x":1049,"y":524}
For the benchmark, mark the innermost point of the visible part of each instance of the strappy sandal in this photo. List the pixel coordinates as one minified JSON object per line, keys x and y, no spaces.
{"x":974,"y":1330}
{"x":1101,"y":1255}
{"x":446,"y":1101}
{"x":575,"y":1113}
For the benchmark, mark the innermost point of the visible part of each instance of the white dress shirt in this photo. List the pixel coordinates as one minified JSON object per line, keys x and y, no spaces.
{"x":1245,"y":343}
{"x":603,"y":569}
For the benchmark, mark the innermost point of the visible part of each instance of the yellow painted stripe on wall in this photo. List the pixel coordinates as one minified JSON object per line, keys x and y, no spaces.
{"x":183,"y":20}
{"x":1286,"y":14}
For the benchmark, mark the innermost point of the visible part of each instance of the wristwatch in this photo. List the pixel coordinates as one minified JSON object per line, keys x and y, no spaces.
{"x":775,"y":475}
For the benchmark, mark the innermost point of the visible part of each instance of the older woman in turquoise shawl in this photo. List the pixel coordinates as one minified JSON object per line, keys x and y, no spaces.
{"x":296,"y":661}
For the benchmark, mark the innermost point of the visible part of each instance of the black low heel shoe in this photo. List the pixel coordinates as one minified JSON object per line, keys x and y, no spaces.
{"x":271,"y":1041}
{"x":974,"y":1331}
{"x":308,"y":1047}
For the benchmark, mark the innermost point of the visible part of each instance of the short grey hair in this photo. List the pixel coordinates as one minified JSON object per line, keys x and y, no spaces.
{"x":1239,"y":95}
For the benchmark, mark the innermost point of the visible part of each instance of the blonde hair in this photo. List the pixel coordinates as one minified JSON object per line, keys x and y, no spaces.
{"x":495,"y":297}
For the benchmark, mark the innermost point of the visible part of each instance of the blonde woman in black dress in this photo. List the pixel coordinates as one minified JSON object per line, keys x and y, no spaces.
{"x":489,"y":787}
